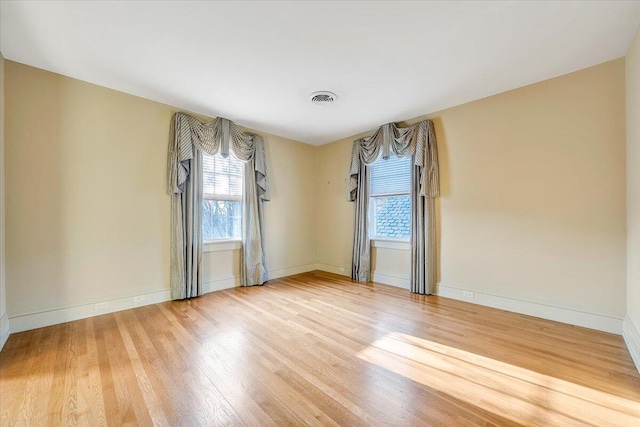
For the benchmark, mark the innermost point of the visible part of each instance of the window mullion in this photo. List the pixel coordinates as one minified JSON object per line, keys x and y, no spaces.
{"x":224,"y":197}
{"x":399,"y":193}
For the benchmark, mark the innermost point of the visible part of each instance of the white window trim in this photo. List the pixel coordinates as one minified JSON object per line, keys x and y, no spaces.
{"x":221,"y":245}
{"x":222,"y":197}
{"x":217,"y":245}
{"x":387,"y":243}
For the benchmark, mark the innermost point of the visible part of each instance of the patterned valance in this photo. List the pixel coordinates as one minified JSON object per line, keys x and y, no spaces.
{"x":217,"y":136}
{"x":418,"y":139}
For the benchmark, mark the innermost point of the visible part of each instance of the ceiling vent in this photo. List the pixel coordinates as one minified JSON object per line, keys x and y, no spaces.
{"x":323,"y":97}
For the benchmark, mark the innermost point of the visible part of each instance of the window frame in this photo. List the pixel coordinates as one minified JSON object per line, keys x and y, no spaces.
{"x":224,"y":243}
{"x":394,"y":242}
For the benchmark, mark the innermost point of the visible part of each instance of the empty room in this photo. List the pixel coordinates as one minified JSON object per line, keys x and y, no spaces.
{"x":322,"y":213}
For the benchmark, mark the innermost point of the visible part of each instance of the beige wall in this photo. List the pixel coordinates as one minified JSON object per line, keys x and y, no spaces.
{"x":633,"y":184}
{"x":334,"y":225}
{"x":290,"y":215}
{"x":4,"y":320}
{"x":87,"y":210}
{"x":87,"y":214}
{"x":533,"y":194}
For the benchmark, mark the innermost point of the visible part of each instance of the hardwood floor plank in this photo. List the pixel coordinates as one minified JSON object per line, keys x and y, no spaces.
{"x":317,"y":349}
{"x":34,"y":407}
{"x":91,"y":406}
{"x":151,"y":401}
{"x":109,"y":391}
{"x":213,"y":406}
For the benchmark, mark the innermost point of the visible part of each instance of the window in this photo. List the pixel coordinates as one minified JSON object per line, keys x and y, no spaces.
{"x":222,"y":197}
{"x":390,"y":204}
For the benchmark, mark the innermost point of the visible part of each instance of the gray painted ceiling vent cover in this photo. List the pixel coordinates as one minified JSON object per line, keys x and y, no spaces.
{"x":323,"y":97}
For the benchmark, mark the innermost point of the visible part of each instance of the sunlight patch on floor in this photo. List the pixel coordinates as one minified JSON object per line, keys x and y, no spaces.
{"x":519,"y":394}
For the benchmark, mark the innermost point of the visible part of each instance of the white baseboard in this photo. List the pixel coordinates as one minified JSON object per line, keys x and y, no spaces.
{"x":559,"y":314}
{"x":335,"y":269}
{"x":391,"y":279}
{"x":632,"y":338}
{"x":19,"y":323}
{"x":26,"y":322}
{"x":220,"y":284}
{"x":234,"y":281}
{"x":290,"y":271}
{"x":376,"y":276}
{"x":5,"y":329}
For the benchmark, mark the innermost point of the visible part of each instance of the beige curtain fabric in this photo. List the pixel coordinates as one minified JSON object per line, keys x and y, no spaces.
{"x":186,"y":250}
{"x":361,"y":265}
{"x":190,"y":138}
{"x":418,"y":141}
{"x":423,"y":240}
{"x":253,"y":267}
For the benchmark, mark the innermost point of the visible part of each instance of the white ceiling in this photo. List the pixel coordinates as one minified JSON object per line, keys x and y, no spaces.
{"x":257,"y":62}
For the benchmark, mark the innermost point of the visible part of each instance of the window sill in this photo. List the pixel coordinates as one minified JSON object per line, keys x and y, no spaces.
{"x":221,"y":245}
{"x":397,"y":244}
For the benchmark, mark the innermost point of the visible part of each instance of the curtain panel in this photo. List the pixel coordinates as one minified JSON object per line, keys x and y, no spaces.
{"x":188,"y":140}
{"x":419,"y":142}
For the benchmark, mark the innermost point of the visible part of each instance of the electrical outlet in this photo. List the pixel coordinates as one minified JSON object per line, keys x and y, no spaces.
{"x":343,"y":270}
{"x":467,"y":294}
{"x":101,"y":305}
{"x":138,"y":298}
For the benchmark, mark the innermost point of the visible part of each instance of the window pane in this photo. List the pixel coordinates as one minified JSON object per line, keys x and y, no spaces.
{"x":391,"y":176}
{"x":221,"y":219}
{"x":222,"y":189}
{"x":391,"y":217}
{"x":222,"y":177}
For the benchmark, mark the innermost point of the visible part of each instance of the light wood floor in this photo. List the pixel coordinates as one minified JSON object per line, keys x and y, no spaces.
{"x":317,"y":349}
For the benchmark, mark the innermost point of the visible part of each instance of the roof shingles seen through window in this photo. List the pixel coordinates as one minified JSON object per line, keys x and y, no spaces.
{"x":393,"y":217}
